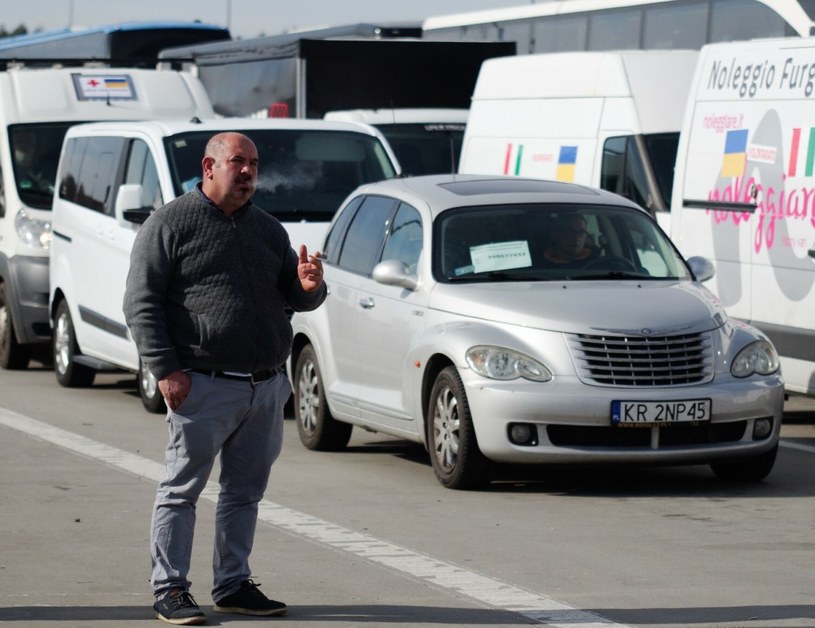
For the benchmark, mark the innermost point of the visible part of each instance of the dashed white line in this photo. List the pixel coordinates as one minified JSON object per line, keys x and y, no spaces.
{"x":798,"y":446}
{"x":443,"y":575}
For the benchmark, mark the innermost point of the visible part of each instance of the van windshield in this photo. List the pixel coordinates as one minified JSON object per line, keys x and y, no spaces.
{"x":304,"y":174}
{"x":425,"y":148}
{"x":35,"y":152}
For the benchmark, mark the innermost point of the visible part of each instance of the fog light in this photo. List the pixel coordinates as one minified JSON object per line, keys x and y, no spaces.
{"x":523,"y":434}
{"x":762,"y":428}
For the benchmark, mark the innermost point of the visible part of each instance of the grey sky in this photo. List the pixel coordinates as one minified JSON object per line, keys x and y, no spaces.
{"x":246,"y":18}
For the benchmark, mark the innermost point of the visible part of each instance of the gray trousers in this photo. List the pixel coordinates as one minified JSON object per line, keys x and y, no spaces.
{"x":244,"y":422}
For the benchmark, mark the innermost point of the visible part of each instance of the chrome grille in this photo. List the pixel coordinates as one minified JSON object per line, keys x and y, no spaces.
{"x":629,"y":361}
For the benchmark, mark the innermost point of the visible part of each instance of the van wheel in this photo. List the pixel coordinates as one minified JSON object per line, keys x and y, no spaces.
{"x":148,"y":391}
{"x":317,"y":428}
{"x":749,"y":469}
{"x":457,"y":461}
{"x":13,"y":355}
{"x":69,"y":373}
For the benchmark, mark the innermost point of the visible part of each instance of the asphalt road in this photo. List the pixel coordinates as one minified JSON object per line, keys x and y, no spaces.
{"x":367,"y":537}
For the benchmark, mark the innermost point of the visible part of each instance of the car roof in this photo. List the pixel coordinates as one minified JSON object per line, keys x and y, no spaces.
{"x":169,"y":127}
{"x":445,"y":191}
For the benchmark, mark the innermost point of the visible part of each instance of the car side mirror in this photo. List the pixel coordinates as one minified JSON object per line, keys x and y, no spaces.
{"x":392,"y":272}
{"x":129,"y":204}
{"x":701,"y":267}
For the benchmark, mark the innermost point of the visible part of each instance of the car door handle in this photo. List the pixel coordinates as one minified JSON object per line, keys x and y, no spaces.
{"x":367,"y":303}
{"x":811,"y":253}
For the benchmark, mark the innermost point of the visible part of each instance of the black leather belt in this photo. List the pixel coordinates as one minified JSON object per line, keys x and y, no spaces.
{"x":254,"y":378}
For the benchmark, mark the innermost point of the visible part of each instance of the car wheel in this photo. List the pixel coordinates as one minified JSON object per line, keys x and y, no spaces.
{"x":457,"y":461}
{"x":13,"y":355}
{"x":150,"y":395}
{"x":317,"y":428}
{"x":69,"y":373}
{"x":749,"y":469}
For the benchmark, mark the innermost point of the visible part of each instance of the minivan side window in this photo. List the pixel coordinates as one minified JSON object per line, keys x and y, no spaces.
{"x":141,"y":169}
{"x":90,"y":174}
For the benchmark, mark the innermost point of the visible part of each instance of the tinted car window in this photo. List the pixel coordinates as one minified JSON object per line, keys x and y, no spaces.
{"x":141,"y":169}
{"x":404,"y":242}
{"x":35,"y":151}
{"x":334,"y":240}
{"x":89,"y":177}
{"x":366,"y":233}
{"x":425,"y":148}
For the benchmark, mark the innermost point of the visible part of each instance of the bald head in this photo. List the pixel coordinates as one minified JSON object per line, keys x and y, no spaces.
{"x":230,"y":169}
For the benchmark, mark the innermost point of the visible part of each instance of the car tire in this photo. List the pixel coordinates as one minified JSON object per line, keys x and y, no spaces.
{"x":65,"y":349}
{"x":748,"y":469}
{"x":151,"y":396}
{"x":13,"y":355}
{"x":457,"y":460}
{"x":317,"y":428}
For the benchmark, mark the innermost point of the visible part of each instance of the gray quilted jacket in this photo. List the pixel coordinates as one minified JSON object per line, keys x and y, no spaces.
{"x":208,"y":291}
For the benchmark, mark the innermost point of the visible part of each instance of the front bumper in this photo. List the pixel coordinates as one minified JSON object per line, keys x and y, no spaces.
{"x":573,"y":421}
{"x":27,"y":290}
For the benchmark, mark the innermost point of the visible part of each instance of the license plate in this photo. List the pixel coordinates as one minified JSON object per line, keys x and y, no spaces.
{"x":659,"y":413}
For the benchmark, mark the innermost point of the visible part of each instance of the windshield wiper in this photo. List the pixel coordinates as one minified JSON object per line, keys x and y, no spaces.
{"x":497,"y":275}
{"x":611,"y":274}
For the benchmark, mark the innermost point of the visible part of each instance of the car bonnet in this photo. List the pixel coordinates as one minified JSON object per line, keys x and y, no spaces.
{"x":586,"y":307}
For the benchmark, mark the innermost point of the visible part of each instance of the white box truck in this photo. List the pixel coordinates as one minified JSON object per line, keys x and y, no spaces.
{"x":37,"y":106}
{"x":744,"y":190}
{"x":605,"y":119}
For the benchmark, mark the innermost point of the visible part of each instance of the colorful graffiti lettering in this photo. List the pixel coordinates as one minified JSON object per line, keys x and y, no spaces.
{"x":773,"y":205}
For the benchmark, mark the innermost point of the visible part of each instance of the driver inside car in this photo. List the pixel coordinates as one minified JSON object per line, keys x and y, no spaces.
{"x":569,"y":243}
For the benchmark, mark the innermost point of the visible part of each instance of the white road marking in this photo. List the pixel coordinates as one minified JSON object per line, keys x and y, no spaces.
{"x":443,"y":575}
{"x":798,"y":446}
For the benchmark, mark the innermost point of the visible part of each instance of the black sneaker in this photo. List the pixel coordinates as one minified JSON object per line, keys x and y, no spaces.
{"x":178,"y":607}
{"x":248,"y":600}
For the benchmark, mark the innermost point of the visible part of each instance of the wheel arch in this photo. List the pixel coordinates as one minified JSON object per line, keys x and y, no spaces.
{"x":56,"y":298}
{"x":435,"y":365}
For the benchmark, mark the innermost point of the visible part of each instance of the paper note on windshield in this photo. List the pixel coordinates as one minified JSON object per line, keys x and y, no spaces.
{"x":500,"y":256}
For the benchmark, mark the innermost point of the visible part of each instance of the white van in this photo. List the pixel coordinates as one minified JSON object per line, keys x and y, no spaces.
{"x":604,"y":119}
{"x":426,"y":141}
{"x":744,"y":191}
{"x":37,"y":106}
{"x":112,"y":175}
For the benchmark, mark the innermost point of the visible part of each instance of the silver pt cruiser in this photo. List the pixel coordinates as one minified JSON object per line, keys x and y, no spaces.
{"x":506,"y":320}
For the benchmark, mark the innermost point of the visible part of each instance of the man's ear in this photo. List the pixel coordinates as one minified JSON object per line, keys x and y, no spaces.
{"x":206,"y":164}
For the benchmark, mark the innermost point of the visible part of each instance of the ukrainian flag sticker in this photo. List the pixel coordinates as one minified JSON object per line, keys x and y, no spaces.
{"x":566,"y":163}
{"x":735,"y":153}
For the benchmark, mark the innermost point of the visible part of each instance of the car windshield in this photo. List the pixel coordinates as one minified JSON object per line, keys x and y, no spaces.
{"x":35,"y":152}
{"x":304,"y":174}
{"x":552,"y":242}
{"x":425,"y":148}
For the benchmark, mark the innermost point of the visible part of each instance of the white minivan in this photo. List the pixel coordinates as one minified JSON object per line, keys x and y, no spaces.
{"x":37,"y":106}
{"x":112,"y":175}
{"x":744,"y":190}
{"x":605,"y":119}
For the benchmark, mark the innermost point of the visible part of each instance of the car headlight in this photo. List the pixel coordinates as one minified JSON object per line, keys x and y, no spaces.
{"x":758,"y":357}
{"x":501,"y":363}
{"x":33,"y":232}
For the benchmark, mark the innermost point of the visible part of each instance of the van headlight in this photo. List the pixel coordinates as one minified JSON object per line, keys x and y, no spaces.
{"x":33,"y":232}
{"x":758,"y":357}
{"x":501,"y":363}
